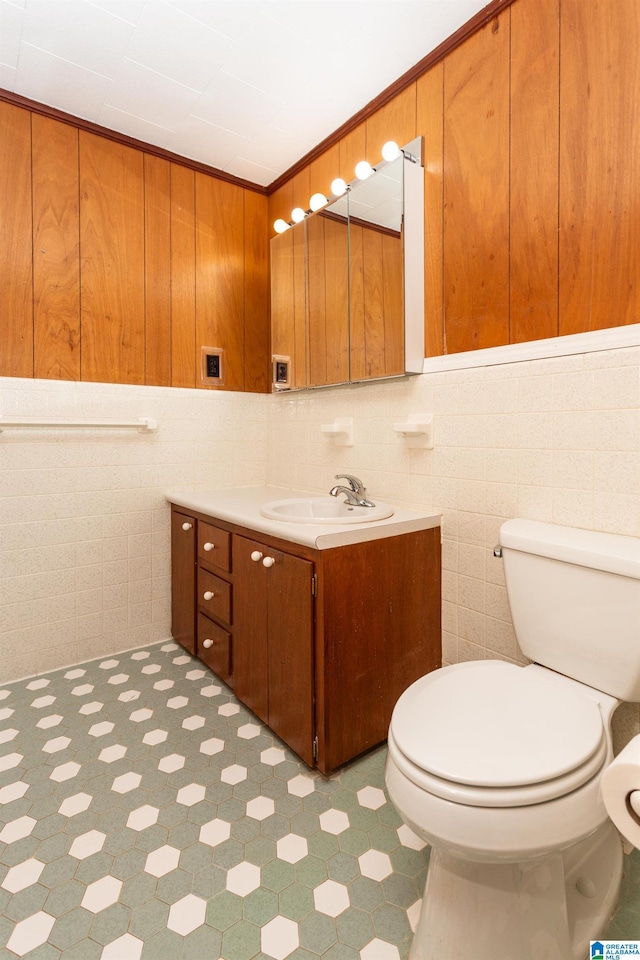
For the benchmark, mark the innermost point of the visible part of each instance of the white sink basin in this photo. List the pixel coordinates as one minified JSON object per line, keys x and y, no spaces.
{"x":323,"y":510}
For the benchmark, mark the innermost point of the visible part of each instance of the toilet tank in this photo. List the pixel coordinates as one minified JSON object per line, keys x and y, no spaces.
{"x":575,"y":602}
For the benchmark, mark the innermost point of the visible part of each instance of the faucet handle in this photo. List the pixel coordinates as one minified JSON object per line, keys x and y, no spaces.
{"x":356,"y":485}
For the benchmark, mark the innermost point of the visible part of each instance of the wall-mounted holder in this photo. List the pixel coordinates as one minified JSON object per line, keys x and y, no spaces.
{"x":417,"y":430}
{"x":341,"y":430}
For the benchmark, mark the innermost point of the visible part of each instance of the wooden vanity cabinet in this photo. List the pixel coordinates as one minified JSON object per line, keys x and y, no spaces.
{"x":319,"y":644}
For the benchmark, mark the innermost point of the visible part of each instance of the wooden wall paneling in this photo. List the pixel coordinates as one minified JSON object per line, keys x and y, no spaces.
{"x":301,"y":191}
{"x":535,"y":77}
{"x":353,"y":147}
{"x":300,"y":306}
{"x":396,"y":120}
{"x":319,"y":345}
{"x":257,"y":356}
{"x":476,"y":190}
{"x":599,"y":150}
{"x":16,"y":272}
{"x":393,"y":304}
{"x":220,"y":274}
{"x":336,"y":241}
{"x":56,"y":250}
{"x":429,"y":125}
{"x":373,"y":303}
{"x":112,"y":261}
{"x":280,"y":206}
{"x":357,"y":352}
{"x":324,"y":169}
{"x":157,"y":270}
{"x":184,"y":368}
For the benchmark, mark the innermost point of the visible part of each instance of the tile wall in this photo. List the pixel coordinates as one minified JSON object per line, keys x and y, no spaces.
{"x":84,"y":526}
{"x":84,"y":538}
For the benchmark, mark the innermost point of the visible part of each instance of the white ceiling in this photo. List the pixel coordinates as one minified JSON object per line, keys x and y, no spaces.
{"x":247,"y":86}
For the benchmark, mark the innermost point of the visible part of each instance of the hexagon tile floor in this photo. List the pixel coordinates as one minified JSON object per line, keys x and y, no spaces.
{"x":147,"y":814}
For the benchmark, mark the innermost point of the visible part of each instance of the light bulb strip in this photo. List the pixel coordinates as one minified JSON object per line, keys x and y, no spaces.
{"x":390,"y":152}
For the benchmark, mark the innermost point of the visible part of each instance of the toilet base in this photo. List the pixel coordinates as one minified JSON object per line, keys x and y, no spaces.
{"x":544,"y":909}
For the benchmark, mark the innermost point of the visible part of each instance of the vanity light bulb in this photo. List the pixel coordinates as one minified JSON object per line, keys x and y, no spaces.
{"x":317,"y":201}
{"x":338,"y":187}
{"x":297,"y":214}
{"x":363,"y":170}
{"x":280,"y":225}
{"x":390,"y":151}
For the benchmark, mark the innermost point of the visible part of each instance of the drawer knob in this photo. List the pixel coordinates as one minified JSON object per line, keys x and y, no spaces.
{"x":207,"y":643}
{"x":208,"y":595}
{"x":256,"y":555}
{"x":209,"y":546}
{"x":186,"y":525}
{"x":268,"y":562}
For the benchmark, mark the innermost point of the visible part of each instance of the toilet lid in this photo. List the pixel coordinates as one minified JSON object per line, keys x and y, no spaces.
{"x":493,"y":724}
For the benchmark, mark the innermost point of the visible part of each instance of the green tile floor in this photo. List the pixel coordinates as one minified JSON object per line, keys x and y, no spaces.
{"x":145,"y":813}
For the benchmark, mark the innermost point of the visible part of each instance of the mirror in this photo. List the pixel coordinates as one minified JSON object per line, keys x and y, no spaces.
{"x":347,"y":283}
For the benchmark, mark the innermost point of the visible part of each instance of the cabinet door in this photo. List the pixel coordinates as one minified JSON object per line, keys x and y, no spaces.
{"x":250,"y":660}
{"x":183,"y":579}
{"x":273,"y":641}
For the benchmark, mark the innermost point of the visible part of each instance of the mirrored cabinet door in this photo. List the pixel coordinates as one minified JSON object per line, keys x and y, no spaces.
{"x":347,"y":283}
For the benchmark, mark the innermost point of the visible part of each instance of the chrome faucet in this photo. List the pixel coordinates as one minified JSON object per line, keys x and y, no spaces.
{"x":354,"y":492}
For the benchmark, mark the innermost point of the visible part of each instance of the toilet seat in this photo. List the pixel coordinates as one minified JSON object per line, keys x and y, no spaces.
{"x":489,"y":733}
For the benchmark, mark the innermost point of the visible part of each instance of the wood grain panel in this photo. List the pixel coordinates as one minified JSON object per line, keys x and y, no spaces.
{"x":291,"y":652}
{"x":16,"y":274}
{"x":369,"y":660}
{"x":184,"y":366}
{"x":336,"y":245}
{"x":324,"y":170}
{"x":214,"y":647}
{"x":280,"y":206}
{"x":220,"y":274}
{"x":373,"y":303}
{"x":157,"y":270}
{"x":56,"y":250}
{"x":257,"y":371}
{"x":250,"y":635}
{"x":112,"y":261}
{"x":599,"y":150}
{"x":316,"y":305}
{"x":429,"y":124}
{"x":393,"y":304}
{"x":300,"y":191}
{"x":357,"y":340}
{"x":535,"y":77}
{"x":476,"y":190}
{"x":353,"y":148}
{"x":396,"y":120}
{"x":183,"y":579}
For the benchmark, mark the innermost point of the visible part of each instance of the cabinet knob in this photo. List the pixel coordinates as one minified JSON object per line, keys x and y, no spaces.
{"x":186,"y":525}
{"x":208,"y":595}
{"x":207,"y":643}
{"x":209,"y":546}
{"x":256,"y":555}
{"x":268,"y":562}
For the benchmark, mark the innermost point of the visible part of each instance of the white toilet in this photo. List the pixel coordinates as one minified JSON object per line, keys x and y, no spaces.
{"x":498,"y":767}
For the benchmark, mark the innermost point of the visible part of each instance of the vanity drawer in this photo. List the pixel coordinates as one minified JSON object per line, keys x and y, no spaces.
{"x":214,"y":546}
{"x":214,"y":595}
{"x":214,"y":647}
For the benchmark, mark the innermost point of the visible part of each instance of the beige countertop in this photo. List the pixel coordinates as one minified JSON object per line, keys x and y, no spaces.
{"x":241,"y":505}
